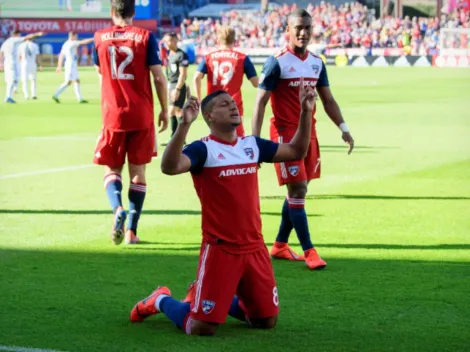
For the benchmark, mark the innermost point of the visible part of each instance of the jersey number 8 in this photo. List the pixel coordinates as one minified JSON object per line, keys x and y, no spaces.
{"x":222,"y":70}
{"x":118,"y":73}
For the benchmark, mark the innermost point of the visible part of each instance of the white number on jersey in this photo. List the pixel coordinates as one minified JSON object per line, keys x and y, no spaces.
{"x":222,"y":70}
{"x":275,"y":297}
{"x":119,"y":72}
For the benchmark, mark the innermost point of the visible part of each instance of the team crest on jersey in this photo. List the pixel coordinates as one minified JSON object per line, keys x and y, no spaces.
{"x":294,"y":170}
{"x":208,"y":306}
{"x":315,"y":68}
{"x":249,"y":152}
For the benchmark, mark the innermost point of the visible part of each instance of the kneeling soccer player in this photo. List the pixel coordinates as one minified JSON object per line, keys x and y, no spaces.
{"x":234,"y":259}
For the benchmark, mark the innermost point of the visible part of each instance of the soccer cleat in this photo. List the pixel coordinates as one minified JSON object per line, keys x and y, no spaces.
{"x":285,"y":252}
{"x":191,"y":295}
{"x":34,"y":98}
{"x":83,"y":101}
{"x":313,"y":260}
{"x":56,"y":100}
{"x":145,"y":308}
{"x":10,"y":101}
{"x":131,"y":237}
{"x":117,"y":235}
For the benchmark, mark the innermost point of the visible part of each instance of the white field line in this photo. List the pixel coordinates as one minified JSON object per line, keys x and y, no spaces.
{"x":25,"y":349}
{"x":46,"y":171}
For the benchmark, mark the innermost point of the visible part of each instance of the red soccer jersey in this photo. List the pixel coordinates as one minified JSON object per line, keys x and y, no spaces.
{"x":124,"y":55}
{"x":225,"y":69}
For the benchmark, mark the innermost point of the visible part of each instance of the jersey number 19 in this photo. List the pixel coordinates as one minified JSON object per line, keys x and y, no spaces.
{"x":118,"y":72}
{"x":223,"y":71}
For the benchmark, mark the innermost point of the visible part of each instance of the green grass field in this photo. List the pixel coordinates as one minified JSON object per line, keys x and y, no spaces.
{"x":392,"y":220}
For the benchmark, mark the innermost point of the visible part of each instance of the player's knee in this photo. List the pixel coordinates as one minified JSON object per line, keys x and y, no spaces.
{"x":297,"y":190}
{"x":201,"y":328}
{"x":137,"y":173}
{"x":113,"y":170}
{"x":264,"y":323}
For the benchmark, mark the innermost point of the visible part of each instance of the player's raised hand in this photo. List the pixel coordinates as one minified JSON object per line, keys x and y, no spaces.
{"x":349,"y":140}
{"x":307,"y":96}
{"x":162,"y":121}
{"x":190,"y":109}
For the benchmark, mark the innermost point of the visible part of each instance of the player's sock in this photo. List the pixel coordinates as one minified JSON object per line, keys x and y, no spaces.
{"x":25,"y":90}
{"x":59,"y":91}
{"x":136,"y":202}
{"x":9,"y":92}
{"x":286,"y":224}
{"x":113,"y":186}
{"x":33,"y":87}
{"x":76,"y":88}
{"x":299,"y":220}
{"x":236,"y":311}
{"x":176,"y":311}
{"x":174,"y":124}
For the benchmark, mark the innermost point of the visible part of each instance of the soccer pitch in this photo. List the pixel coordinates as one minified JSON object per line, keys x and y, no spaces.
{"x":392,"y":220}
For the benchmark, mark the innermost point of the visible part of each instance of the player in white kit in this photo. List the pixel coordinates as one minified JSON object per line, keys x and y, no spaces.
{"x":69,"y":52}
{"x":9,"y":52}
{"x":29,"y":62}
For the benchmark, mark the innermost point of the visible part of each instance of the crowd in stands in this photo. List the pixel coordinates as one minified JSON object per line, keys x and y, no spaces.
{"x":348,"y":26}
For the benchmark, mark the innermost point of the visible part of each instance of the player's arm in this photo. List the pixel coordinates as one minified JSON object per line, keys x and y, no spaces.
{"x":155,"y":65}
{"x":268,"y":81}
{"x":175,"y":161}
{"x":250,"y":72}
{"x":60,"y":61}
{"x":32,"y":36}
{"x":297,"y":148}
{"x":85,"y":41}
{"x":198,"y":76}
{"x":331,"y":107}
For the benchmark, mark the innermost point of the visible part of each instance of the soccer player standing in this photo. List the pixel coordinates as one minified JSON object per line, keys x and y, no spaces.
{"x":280,"y":82}
{"x":225,"y":68}
{"x":30,"y":61}
{"x":234,"y":258}
{"x":9,"y":52}
{"x":125,"y":56}
{"x":69,"y":52}
{"x":177,"y":71}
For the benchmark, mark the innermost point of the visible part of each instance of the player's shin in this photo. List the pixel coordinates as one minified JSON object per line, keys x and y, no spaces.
{"x":286,"y":224}
{"x":136,"y":195}
{"x":176,"y":311}
{"x":33,"y":88}
{"x":78,"y":94}
{"x":113,"y":186}
{"x":25,"y":89}
{"x":59,"y":91}
{"x":298,"y":217}
{"x":9,"y":91}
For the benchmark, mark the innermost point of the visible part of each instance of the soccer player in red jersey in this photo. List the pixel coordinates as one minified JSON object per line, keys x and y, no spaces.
{"x":234,"y":258}
{"x":225,"y":68}
{"x":280,"y":81}
{"x":125,"y":56}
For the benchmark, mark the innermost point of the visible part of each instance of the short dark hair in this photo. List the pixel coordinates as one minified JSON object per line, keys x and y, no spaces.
{"x":123,"y":8}
{"x":299,"y":13}
{"x":205,"y":103}
{"x":172,"y":35}
{"x":15,"y":32}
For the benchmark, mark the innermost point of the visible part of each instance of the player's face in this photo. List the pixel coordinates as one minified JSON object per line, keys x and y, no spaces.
{"x":300,"y":32}
{"x":225,"y":113}
{"x":171,"y":42}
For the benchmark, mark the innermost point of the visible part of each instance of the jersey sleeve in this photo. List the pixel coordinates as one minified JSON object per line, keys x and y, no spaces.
{"x":267,"y":150}
{"x":323,"y":79}
{"x":197,"y":153}
{"x":153,"y":55}
{"x":184,"y":59}
{"x":270,"y":74}
{"x":202,"y":66}
{"x":249,"y":68}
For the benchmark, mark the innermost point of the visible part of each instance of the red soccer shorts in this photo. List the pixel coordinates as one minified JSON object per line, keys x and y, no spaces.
{"x":112,"y":147}
{"x":222,"y":275}
{"x":300,"y":170}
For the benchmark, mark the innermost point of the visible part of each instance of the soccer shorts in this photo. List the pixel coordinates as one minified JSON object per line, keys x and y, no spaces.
{"x":306,"y":169}
{"x":179,"y":103}
{"x":112,"y":147}
{"x":71,"y":74}
{"x":222,"y":275}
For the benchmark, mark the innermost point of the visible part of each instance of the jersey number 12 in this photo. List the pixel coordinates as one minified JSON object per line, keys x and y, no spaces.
{"x":222,"y":70}
{"x":118,"y":72}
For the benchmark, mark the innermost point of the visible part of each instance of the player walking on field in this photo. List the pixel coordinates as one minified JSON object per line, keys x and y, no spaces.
{"x":280,"y":81}
{"x":29,"y":62}
{"x":225,"y":68}
{"x":69,"y":52}
{"x":125,"y":56}
{"x":9,"y":53}
{"x":234,"y":258}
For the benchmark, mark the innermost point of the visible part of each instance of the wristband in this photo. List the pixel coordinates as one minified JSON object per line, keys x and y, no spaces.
{"x":343,"y":127}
